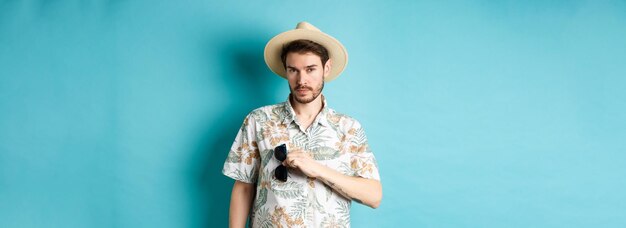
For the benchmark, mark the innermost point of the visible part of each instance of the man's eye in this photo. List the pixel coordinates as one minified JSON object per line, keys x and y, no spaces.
{"x":310,"y":70}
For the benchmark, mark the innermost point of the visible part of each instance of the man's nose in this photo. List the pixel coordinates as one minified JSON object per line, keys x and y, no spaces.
{"x":302,"y":78}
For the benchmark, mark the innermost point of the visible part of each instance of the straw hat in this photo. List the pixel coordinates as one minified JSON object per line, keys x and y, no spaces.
{"x":336,"y":51}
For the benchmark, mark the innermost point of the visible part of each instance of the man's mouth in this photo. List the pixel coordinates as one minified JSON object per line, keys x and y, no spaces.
{"x":302,"y":89}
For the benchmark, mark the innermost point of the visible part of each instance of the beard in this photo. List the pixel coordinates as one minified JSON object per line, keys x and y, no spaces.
{"x":307,"y":99}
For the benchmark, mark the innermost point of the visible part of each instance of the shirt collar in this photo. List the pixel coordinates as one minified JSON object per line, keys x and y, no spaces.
{"x":322,"y":117}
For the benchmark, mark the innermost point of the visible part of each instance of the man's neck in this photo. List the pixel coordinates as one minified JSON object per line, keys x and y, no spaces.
{"x":308,"y":110}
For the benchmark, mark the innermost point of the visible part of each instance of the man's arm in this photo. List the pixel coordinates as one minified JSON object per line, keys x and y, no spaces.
{"x":240,"y":203}
{"x":362,"y":190}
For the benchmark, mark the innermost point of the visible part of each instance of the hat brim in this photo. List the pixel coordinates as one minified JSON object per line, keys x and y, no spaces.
{"x":336,"y":51}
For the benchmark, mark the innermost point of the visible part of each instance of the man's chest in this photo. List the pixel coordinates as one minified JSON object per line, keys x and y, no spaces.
{"x":326,"y":144}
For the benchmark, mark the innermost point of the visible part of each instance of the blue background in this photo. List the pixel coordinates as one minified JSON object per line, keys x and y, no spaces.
{"x":481,"y":113}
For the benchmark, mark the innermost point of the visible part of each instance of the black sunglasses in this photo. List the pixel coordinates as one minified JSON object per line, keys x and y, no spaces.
{"x":280,"y":152}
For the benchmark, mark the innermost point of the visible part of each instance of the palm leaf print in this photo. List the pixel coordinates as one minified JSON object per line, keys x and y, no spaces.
{"x":359,"y":137}
{"x":318,"y":136}
{"x":288,"y":190}
{"x":261,"y":198}
{"x":234,"y":157}
{"x":262,"y":219}
{"x":266,"y":156}
{"x":259,"y":116}
{"x":298,"y":207}
{"x":325,"y":153}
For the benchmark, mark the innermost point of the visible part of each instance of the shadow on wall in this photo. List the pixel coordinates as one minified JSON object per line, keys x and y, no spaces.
{"x":244,"y":76}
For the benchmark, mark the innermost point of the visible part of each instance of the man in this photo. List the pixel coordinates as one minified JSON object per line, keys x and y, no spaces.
{"x":300,"y":163}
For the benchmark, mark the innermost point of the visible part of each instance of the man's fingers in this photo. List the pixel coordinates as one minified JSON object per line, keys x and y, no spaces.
{"x":294,"y":158}
{"x":290,"y":164}
{"x":292,"y":161}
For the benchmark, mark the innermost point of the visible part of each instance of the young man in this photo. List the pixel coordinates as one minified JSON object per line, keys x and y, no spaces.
{"x":300,"y":163}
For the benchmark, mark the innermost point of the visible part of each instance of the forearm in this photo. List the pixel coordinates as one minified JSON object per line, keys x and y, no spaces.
{"x":365,"y":191}
{"x":240,"y":203}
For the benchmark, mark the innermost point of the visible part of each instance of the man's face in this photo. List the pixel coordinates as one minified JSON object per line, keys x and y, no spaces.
{"x":306,"y":74}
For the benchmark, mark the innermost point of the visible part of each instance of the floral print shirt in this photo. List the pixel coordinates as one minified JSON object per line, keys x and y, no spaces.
{"x":333,"y":139}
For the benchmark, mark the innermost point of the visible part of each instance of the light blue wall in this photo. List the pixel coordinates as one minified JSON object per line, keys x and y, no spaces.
{"x":483,"y":114}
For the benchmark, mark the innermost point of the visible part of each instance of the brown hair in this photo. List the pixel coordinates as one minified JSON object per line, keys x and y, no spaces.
{"x":302,"y":47}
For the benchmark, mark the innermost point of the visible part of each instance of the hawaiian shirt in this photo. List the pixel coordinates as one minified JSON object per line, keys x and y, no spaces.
{"x":333,"y":139}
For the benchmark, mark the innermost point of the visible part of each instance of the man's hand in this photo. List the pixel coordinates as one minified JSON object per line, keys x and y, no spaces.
{"x":364,"y":191}
{"x":298,"y":159}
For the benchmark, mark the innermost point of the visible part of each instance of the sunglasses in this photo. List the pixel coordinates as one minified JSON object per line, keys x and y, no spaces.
{"x":280,"y":152}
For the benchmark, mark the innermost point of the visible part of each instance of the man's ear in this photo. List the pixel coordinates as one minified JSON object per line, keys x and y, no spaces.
{"x":328,"y":67}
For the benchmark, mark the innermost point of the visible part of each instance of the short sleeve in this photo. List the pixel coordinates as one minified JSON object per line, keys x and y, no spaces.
{"x":362,"y":160}
{"x":243,"y":160}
